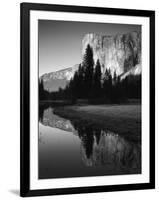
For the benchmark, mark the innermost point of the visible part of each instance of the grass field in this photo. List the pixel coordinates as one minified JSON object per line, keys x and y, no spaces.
{"x":121,"y":119}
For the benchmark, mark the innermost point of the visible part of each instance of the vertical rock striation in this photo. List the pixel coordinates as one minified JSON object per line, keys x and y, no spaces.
{"x":118,"y":53}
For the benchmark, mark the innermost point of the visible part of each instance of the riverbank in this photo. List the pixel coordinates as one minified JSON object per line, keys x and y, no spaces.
{"x":120,"y":119}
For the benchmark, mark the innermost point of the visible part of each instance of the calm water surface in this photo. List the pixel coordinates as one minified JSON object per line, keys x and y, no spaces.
{"x":69,"y":150}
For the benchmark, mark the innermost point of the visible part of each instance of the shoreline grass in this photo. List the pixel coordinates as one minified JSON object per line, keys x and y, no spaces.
{"x":124,"y":120}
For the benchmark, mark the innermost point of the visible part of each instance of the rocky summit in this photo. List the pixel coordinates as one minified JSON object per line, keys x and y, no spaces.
{"x":53,"y":80}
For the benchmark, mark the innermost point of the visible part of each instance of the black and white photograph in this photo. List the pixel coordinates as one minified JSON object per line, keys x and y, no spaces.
{"x":89,"y":99}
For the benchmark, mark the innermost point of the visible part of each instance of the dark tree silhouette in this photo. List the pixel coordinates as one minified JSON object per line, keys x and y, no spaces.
{"x":41,"y":90}
{"x":107,"y":85}
{"x":97,"y":81}
{"x":89,"y":84}
{"x":88,"y":64}
{"x":81,"y":81}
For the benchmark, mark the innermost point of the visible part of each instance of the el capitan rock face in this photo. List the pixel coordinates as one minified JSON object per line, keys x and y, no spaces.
{"x":120,"y":53}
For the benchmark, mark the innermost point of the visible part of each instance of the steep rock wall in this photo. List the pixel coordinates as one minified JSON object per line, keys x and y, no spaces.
{"x":119,"y":53}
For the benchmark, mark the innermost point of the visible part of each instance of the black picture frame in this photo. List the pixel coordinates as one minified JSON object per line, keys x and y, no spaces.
{"x":25,"y":9}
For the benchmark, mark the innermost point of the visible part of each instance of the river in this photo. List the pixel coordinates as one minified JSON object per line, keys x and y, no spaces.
{"x":71,"y":150}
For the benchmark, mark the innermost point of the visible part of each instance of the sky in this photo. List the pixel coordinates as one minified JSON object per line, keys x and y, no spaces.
{"x":60,"y":42}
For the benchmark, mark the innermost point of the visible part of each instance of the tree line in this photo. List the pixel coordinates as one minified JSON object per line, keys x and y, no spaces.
{"x":89,"y":83}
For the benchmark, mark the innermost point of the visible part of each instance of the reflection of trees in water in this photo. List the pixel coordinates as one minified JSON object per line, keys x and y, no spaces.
{"x":88,"y":135}
{"x":87,"y":140}
{"x":98,"y":147}
{"x":42,"y":108}
{"x":41,"y":138}
{"x":97,"y":134}
{"x":101,"y":148}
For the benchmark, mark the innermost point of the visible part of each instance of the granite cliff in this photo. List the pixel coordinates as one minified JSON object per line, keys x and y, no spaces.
{"x":120,"y":53}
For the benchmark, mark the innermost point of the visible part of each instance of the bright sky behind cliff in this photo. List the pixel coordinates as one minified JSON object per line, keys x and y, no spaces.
{"x":60,"y":42}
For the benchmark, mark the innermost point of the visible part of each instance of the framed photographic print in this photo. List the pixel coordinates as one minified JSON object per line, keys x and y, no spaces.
{"x":87,"y":99}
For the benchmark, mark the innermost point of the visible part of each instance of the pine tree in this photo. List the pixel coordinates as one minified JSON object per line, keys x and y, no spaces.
{"x":41,"y":90}
{"x":97,"y":80}
{"x":107,"y":85}
{"x":114,"y":78}
{"x":80,"y":73}
{"x":88,"y":64}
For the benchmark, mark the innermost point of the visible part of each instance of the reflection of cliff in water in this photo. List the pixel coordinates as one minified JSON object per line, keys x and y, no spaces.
{"x":48,"y":118}
{"x":106,"y":148}
{"x":98,"y":147}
